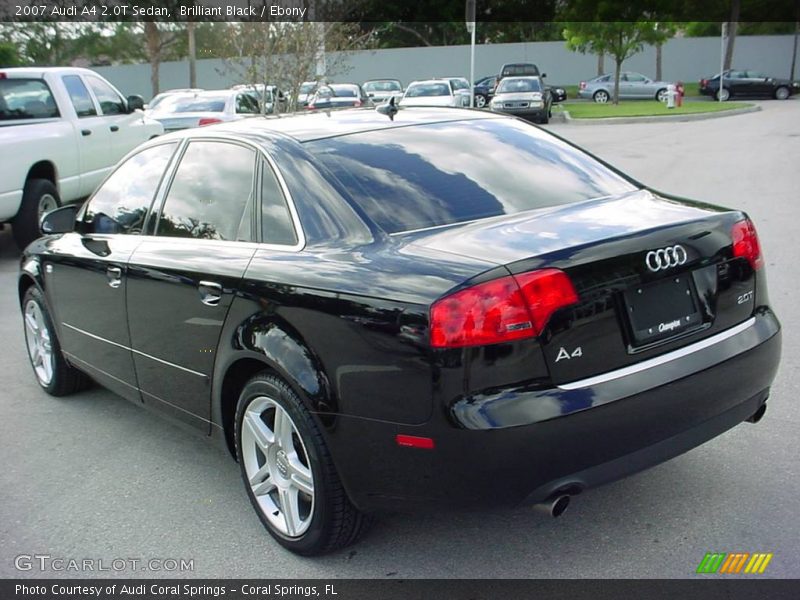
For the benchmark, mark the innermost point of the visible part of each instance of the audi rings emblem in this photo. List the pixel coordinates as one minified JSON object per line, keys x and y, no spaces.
{"x":666,"y":258}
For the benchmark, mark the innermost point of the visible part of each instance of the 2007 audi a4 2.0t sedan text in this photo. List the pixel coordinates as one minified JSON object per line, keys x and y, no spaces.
{"x":372,"y":317}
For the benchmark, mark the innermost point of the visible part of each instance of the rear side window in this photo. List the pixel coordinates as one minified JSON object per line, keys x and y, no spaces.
{"x":122,"y":202}
{"x":426,"y":176}
{"x":79,"y":96}
{"x":211,"y":195}
{"x":26,"y":99}
{"x":276,"y":220}
{"x":109,"y":100}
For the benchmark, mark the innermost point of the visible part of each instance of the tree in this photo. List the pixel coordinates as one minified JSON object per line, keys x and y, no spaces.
{"x":620,"y":40}
{"x":667,"y":30}
{"x":9,"y":57}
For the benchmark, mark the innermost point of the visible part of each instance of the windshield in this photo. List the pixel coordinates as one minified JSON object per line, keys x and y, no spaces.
{"x":425,"y":176}
{"x":515,"y":86}
{"x":459,"y":84}
{"x":428,"y":89}
{"x":26,"y":99}
{"x":344,"y":91}
{"x":307,"y":88}
{"x":521,"y":69}
{"x":382,"y":86}
{"x":193,"y":104}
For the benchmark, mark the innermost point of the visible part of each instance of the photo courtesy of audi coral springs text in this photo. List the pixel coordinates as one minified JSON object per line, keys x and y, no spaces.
{"x":370,"y":316}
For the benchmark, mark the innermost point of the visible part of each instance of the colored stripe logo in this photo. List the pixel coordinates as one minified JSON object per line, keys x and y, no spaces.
{"x":734,"y":563}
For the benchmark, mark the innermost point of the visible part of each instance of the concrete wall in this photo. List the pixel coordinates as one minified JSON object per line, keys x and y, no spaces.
{"x":685,"y":59}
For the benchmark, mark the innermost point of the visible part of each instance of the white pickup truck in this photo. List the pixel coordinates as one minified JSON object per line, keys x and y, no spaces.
{"x":62,"y":130}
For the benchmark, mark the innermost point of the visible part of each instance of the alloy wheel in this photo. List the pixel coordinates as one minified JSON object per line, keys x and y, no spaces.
{"x":480,"y":101}
{"x":40,"y":348}
{"x":601,"y":97}
{"x":278,"y":467}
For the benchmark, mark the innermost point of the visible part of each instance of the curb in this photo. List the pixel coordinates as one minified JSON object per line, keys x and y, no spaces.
{"x":660,"y":118}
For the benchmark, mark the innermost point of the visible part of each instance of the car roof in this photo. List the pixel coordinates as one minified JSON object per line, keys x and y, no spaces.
{"x":40,"y":71}
{"x":325,"y":124}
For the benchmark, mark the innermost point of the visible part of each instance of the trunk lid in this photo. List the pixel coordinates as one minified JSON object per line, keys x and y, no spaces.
{"x":652,"y":274}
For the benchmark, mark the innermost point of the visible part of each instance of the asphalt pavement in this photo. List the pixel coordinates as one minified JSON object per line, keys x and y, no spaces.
{"x":94,"y":477}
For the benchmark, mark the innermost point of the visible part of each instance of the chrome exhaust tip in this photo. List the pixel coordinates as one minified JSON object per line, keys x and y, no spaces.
{"x":555,"y":506}
{"x":758,"y":415}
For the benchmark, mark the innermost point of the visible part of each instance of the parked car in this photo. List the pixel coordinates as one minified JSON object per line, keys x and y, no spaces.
{"x":632,"y":86}
{"x":271,"y":98}
{"x":307,"y":89}
{"x":748,"y":84}
{"x":158,"y":98}
{"x":339,"y":95}
{"x":525,"y":97}
{"x":62,"y":130}
{"x":433,"y":92}
{"x":483,"y":90}
{"x":381,"y":90}
{"x":205,"y":108}
{"x":369,"y":320}
{"x":460,"y":87}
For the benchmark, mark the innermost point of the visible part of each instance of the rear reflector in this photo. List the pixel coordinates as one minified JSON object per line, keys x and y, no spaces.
{"x":412,"y":441}
{"x":3,"y":76}
{"x":208,"y":121}
{"x":745,"y":243}
{"x":502,"y":310}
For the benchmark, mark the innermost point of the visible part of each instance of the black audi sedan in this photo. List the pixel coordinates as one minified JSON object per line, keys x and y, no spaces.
{"x":748,"y":84}
{"x":369,"y":317}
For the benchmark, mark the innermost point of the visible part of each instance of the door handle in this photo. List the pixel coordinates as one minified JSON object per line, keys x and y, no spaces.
{"x":210,"y":292}
{"x":114,"y":276}
{"x":114,"y":128}
{"x":85,"y":132}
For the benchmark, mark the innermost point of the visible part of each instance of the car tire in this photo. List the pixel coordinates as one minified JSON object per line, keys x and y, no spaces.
{"x":38,"y":197}
{"x":601,"y":97}
{"x":723,"y":95}
{"x":545,"y":118}
{"x":782,"y":93}
{"x":661,"y":95}
{"x":480,"y":101}
{"x":292,"y":468}
{"x":54,"y":374}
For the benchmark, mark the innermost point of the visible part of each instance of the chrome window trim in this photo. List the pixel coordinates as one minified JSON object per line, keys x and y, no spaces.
{"x":659,"y":360}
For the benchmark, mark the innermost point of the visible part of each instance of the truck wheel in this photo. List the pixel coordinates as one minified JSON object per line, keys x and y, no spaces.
{"x":38,"y":197}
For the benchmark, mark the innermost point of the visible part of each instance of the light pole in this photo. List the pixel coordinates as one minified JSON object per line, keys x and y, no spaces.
{"x":470,"y":19}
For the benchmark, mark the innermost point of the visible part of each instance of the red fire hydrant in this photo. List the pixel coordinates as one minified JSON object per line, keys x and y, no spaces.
{"x":679,"y":97}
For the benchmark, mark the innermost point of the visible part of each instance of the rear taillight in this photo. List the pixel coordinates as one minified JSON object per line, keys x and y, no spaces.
{"x":357,"y":103}
{"x":745,"y":243}
{"x":501,"y":310}
{"x":583,"y":85}
{"x":3,"y":76}
{"x":208,"y":121}
{"x":703,"y":83}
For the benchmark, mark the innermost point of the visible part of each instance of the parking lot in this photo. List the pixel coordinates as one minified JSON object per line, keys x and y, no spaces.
{"x":93,"y":477}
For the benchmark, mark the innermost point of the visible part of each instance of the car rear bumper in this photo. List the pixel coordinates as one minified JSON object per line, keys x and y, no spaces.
{"x":531,"y":462}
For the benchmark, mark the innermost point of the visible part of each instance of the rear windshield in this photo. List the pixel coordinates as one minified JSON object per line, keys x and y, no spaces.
{"x":26,"y":99}
{"x":513,"y":86}
{"x":426,"y":176}
{"x":428,"y":89}
{"x":187,"y":105}
{"x":522,"y":69}
{"x":344,"y":91}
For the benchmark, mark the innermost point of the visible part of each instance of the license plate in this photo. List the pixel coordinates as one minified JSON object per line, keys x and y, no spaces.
{"x":663,"y":309}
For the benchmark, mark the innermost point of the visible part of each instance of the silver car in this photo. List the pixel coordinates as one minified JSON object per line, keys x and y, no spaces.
{"x":525,"y":97}
{"x":632,"y":86}
{"x":382,"y":90}
{"x":205,"y":108}
{"x":433,"y":92}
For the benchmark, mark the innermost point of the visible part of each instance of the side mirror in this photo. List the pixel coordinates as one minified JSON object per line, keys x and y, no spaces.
{"x":135,"y":103}
{"x":544,"y":74}
{"x":59,"y":220}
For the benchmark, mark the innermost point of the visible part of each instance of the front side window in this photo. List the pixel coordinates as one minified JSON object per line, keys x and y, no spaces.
{"x":121,"y":203}
{"x":109,"y":100}
{"x":416,"y":177}
{"x":26,"y":99}
{"x":211,"y":195}
{"x":79,"y":96}
{"x":246,"y":105}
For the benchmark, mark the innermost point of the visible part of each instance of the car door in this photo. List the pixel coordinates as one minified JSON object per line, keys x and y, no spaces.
{"x":94,"y":137}
{"x":85,"y":271}
{"x":184,"y":276}
{"x":127,"y":130}
{"x":737,"y":83}
{"x":639,"y":86}
{"x":760,"y":84}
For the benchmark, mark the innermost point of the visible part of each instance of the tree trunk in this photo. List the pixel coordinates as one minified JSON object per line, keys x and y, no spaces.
{"x":153,"y":40}
{"x":735,"y":9}
{"x":616,"y":80}
{"x":192,"y":55}
{"x":658,"y":61}
{"x":601,"y":64}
